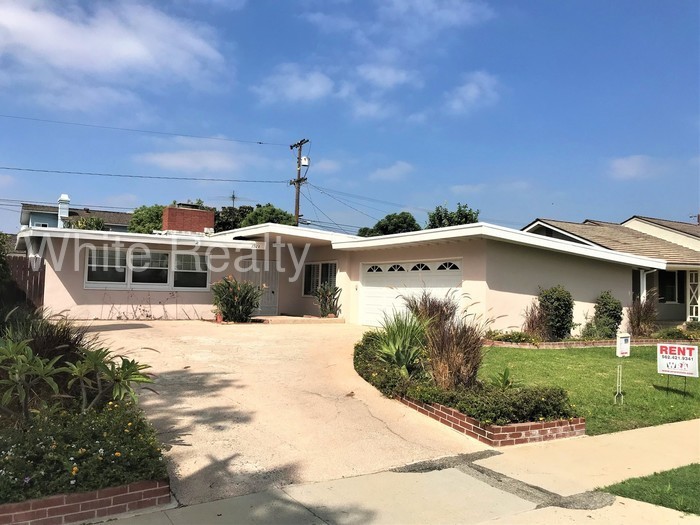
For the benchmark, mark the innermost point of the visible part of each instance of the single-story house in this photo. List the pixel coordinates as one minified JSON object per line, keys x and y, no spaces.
{"x":678,"y":243}
{"x":496,"y":270}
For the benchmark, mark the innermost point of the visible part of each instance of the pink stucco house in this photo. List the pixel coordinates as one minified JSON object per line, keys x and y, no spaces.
{"x":495,"y":270}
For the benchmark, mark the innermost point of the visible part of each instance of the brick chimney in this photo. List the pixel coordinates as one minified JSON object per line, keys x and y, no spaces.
{"x":187,"y":218}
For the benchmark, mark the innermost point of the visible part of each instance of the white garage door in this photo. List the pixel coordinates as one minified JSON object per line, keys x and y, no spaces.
{"x":384,"y":284}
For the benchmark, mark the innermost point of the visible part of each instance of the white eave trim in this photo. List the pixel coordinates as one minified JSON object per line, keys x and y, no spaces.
{"x":498,"y":233}
{"x":284,"y":229}
{"x":145,"y":238}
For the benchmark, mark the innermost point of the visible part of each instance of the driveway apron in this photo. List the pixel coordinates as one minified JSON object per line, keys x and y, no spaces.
{"x":245,"y":408}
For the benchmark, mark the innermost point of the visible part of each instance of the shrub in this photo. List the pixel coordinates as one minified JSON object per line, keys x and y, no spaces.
{"x":401,"y":342}
{"x":692,"y":326}
{"x":535,"y":323}
{"x":557,"y":306}
{"x":675,"y":334}
{"x":79,"y":452}
{"x":328,"y":298}
{"x":512,"y":337}
{"x":491,"y":405}
{"x":384,"y":377}
{"x":236,"y":300}
{"x":606,"y":320}
{"x":454,"y":344}
{"x":642,"y":314}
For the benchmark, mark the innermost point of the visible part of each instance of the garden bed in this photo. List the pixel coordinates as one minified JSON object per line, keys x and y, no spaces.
{"x":499,"y":435}
{"x":601,"y":343}
{"x":87,"y":506}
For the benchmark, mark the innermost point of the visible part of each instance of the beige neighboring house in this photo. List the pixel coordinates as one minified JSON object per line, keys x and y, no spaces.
{"x":493,"y":270}
{"x":677,"y":243}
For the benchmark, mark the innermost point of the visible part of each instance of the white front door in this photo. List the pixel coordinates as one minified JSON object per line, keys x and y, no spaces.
{"x":268,"y":280}
{"x":384,"y":285}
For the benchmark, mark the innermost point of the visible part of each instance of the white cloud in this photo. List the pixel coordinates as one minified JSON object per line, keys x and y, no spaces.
{"x":230,"y":5}
{"x":479,"y":89}
{"x":292,"y":83}
{"x":386,"y":76}
{"x":437,"y":13}
{"x":193,"y":161}
{"x":467,"y":189}
{"x":106,"y":49}
{"x":326,"y":166}
{"x":635,"y":167}
{"x":397,"y":171}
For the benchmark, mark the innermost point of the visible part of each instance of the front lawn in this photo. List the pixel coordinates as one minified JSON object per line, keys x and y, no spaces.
{"x":589,"y":375}
{"x":676,"y":489}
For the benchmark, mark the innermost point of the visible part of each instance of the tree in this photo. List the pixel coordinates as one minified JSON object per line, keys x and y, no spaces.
{"x":267,"y":213}
{"x":146,"y":219}
{"x":230,"y":218}
{"x":441,"y":216}
{"x":86,"y":223}
{"x":392,"y":223}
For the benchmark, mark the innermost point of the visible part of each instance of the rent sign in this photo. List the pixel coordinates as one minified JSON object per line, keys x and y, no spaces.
{"x":677,"y":360}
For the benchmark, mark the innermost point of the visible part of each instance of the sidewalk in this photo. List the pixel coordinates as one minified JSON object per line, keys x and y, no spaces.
{"x":524,"y":485}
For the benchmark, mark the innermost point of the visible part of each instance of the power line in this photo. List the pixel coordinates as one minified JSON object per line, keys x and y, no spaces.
{"x":346,"y":204}
{"x":323,"y":213}
{"x":125,"y":176}
{"x":18,"y":202}
{"x":370,"y":199}
{"x":136,"y":130}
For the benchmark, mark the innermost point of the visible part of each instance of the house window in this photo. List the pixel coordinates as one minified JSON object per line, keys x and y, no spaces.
{"x":374,"y":269}
{"x":420,"y":267}
{"x":671,"y":286}
{"x":149,"y":268}
{"x":396,"y":268}
{"x":448,"y":266}
{"x":106,"y":267}
{"x":316,"y":274}
{"x":191,"y":271}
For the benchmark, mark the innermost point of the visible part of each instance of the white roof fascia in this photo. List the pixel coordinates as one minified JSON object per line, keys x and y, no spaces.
{"x":145,"y":238}
{"x":559,"y":230}
{"x":499,"y":233}
{"x":285,"y":229}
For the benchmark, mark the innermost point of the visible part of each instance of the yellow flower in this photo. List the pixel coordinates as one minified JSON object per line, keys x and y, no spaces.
{"x":117,"y":453}
{"x":541,"y":419}
{"x":129,"y":424}
{"x":74,"y":471}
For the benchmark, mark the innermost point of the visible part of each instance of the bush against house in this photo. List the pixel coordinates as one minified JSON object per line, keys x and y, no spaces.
{"x":557,"y":307}
{"x":235,"y":300}
{"x":606,"y":320}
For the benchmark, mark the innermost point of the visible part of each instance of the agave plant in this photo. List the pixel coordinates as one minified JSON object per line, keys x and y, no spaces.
{"x":401,"y":342}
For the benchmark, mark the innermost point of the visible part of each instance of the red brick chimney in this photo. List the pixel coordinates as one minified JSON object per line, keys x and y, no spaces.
{"x":187,"y":218}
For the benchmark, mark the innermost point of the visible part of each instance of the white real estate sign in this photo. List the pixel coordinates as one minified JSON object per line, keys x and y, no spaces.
{"x":677,"y":360}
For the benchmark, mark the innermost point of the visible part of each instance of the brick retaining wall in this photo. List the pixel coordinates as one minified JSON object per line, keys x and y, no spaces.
{"x":86,"y":506}
{"x":500,"y":435}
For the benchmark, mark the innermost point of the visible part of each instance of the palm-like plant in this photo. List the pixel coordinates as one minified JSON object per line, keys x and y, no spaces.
{"x":401,"y":342}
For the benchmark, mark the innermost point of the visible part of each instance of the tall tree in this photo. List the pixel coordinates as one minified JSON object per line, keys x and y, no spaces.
{"x":267,"y":213}
{"x":146,"y":219}
{"x":441,"y":216}
{"x":230,"y":218}
{"x":393,"y":223}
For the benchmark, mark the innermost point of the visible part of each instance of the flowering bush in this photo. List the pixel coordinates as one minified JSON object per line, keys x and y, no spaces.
{"x":69,"y":452}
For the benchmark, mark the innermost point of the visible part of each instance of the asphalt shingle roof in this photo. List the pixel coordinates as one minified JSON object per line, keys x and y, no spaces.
{"x":623,"y":239}
{"x":688,"y":228}
{"x":110,"y":217}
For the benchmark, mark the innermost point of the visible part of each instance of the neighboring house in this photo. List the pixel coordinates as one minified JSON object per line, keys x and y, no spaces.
{"x":42,"y":216}
{"x":678,"y":243}
{"x":493,"y":270}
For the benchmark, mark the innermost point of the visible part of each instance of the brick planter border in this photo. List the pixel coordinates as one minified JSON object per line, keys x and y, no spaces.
{"x":499,"y":435}
{"x":579,"y":344}
{"x":86,"y":506}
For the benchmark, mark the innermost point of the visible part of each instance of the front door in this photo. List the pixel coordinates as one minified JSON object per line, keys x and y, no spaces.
{"x":268,"y":280}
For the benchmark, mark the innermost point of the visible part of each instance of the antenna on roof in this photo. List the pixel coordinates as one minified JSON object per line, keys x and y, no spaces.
{"x":696,"y":217}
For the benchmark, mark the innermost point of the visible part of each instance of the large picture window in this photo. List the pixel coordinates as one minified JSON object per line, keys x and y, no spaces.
{"x":671,"y":286}
{"x":316,"y":274}
{"x":106,"y":267}
{"x":144,"y":270}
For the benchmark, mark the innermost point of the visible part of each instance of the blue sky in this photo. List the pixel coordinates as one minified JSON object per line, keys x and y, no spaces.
{"x":566,"y":110}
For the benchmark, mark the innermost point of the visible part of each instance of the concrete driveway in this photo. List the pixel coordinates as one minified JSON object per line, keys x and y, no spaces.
{"x":247,"y":408}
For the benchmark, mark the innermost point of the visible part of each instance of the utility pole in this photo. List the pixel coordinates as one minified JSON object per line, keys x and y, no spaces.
{"x":299,"y":179}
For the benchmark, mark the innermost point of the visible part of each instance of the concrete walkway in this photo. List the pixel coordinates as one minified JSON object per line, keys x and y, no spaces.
{"x":466,"y":490}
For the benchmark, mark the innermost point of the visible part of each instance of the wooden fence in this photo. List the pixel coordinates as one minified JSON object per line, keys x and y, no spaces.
{"x":30,"y":282}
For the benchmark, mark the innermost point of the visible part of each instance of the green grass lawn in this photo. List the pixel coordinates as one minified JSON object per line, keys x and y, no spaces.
{"x":675,"y":489}
{"x":589,"y":375}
